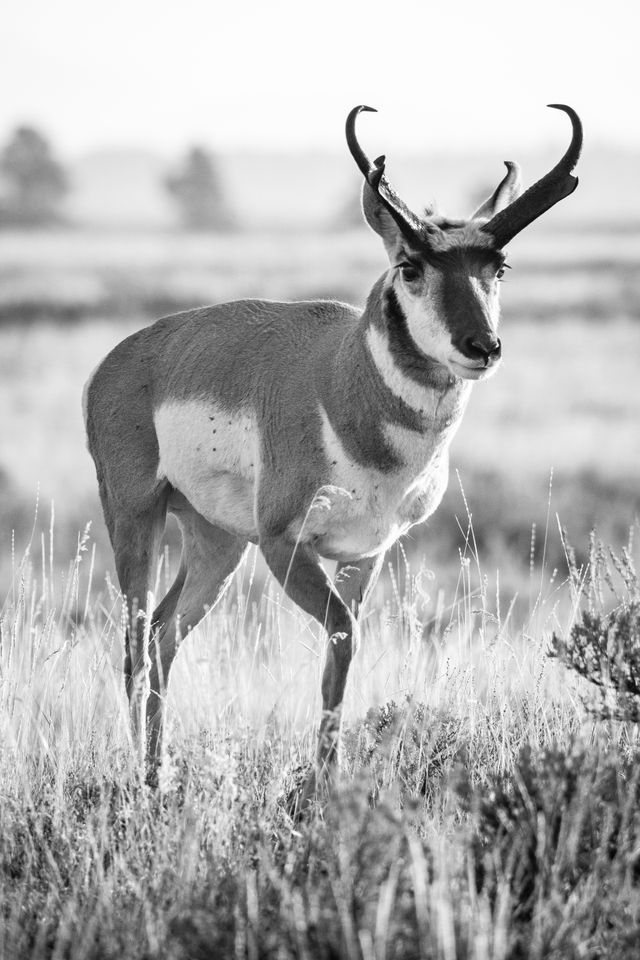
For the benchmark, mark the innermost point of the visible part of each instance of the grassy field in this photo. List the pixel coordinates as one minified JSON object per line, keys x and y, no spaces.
{"x":482,"y":811}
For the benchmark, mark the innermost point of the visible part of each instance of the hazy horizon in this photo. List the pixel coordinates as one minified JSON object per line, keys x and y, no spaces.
{"x":284,"y":77}
{"x":126,"y":186}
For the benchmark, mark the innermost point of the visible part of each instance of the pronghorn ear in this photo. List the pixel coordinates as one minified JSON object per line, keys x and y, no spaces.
{"x":508,"y":190}
{"x":379,"y":219}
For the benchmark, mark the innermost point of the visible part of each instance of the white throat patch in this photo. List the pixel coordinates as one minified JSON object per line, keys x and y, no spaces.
{"x":423,"y":314}
{"x":420,"y":399}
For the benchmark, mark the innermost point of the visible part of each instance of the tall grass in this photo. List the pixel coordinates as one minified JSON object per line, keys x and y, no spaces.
{"x":480,"y":810}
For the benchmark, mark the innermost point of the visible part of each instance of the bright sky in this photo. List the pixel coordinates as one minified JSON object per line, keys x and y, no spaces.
{"x":282,"y":74}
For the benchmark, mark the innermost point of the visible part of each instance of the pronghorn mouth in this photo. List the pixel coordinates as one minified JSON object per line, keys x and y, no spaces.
{"x":473,"y":371}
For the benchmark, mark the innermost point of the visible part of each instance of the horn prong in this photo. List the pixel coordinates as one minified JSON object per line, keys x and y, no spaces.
{"x":549,"y":190}
{"x":373,"y":173}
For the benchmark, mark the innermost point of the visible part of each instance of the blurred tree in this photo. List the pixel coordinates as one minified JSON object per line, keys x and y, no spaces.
{"x":198,"y":193}
{"x":33,"y":182}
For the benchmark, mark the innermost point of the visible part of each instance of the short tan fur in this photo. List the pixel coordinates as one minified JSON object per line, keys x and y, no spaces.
{"x":312,"y":429}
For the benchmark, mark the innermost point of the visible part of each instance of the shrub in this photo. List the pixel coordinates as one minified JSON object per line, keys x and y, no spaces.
{"x":604,"y":646}
{"x":406,"y":746}
{"x":558,"y":834}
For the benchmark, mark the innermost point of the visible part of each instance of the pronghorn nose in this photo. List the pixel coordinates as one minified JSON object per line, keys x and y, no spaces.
{"x":485,"y":348}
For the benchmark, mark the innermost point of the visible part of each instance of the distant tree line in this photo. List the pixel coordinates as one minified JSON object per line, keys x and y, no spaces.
{"x":34,"y":185}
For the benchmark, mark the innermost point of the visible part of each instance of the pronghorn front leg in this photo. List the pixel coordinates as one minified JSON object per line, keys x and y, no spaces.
{"x":297,"y":567}
{"x":356,"y":579}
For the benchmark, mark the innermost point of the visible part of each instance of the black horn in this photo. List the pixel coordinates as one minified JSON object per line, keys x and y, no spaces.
{"x":374,"y":174}
{"x":539,"y":198}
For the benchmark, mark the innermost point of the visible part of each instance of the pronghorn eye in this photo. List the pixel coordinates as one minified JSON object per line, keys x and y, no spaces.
{"x":500,"y":273}
{"x":409,"y":271}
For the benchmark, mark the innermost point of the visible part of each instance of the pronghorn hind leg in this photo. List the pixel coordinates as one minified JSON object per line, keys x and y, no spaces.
{"x":136,"y":541}
{"x":122,"y":441}
{"x":209,"y":557}
{"x":298,"y":569}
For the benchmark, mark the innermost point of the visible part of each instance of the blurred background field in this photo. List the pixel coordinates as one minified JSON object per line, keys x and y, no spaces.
{"x":565,"y":402}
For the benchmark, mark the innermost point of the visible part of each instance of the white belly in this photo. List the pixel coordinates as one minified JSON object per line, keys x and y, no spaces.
{"x":362,"y":511}
{"x":212,"y":457}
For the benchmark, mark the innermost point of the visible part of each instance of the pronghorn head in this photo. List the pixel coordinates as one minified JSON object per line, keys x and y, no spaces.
{"x":443,"y":281}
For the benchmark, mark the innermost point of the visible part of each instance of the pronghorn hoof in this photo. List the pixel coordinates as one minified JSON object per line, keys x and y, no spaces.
{"x":310,"y":792}
{"x":152,"y":777}
{"x":303,"y":797}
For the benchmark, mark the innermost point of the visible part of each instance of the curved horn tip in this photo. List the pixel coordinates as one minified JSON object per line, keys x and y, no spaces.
{"x":364,"y":108}
{"x":576,"y":123}
{"x":565,"y":108}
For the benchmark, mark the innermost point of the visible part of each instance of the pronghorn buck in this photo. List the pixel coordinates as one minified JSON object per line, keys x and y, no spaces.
{"x":313,"y":429}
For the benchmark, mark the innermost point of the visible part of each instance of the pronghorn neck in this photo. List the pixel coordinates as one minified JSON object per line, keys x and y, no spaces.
{"x":379,"y":380}
{"x":395,"y":352}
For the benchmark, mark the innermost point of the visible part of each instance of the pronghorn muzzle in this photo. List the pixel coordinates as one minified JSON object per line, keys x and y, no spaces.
{"x":480,"y":349}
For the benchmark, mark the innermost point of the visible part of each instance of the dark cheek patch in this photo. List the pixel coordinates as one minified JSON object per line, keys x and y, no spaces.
{"x":406,"y":354}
